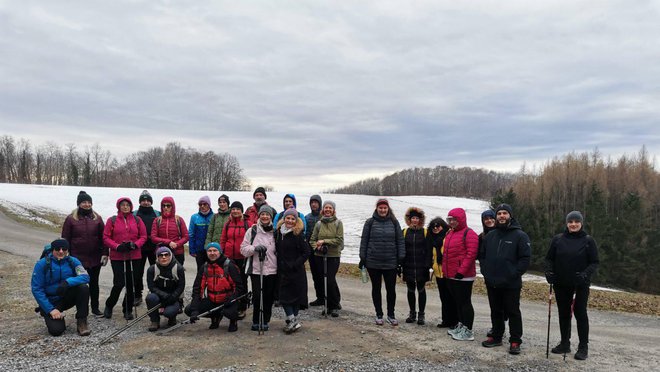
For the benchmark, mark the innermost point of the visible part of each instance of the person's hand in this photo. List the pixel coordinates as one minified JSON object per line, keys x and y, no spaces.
{"x":132,"y":246}
{"x":319,"y":243}
{"x":56,"y":314}
{"x":580,"y":278}
{"x":172,"y":245}
{"x":61,"y":289}
{"x":459,"y":276}
{"x":361,"y":264}
{"x":260,"y":249}
{"x":104,"y":260}
{"x":323,"y":249}
{"x":550,"y":277}
{"x":123,"y":247}
{"x":399,"y":270}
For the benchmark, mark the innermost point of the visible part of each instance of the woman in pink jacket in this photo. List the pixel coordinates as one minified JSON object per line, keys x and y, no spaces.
{"x":458,"y":264}
{"x":170,"y":230}
{"x":123,"y":235}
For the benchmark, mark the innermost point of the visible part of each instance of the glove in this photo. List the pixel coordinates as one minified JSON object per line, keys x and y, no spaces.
{"x":123,"y":247}
{"x":399,"y":270}
{"x":324,"y":249}
{"x":550,"y":277}
{"x":132,"y":246}
{"x":458,"y":276}
{"x":260,"y":249}
{"x":61,"y":289}
{"x":580,"y":278}
{"x":104,"y":260}
{"x":194,"y":316}
{"x":361,"y":264}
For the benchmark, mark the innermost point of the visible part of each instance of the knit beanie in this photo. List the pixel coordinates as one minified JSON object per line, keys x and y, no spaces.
{"x":291,"y":212}
{"x":382,"y":201}
{"x":266,"y":209}
{"x":215,"y":245}
{"x":145,"y":196}
{"x":574,"y":216}
{"x":331,"y":203}
{"x":163,"y":249}
{"x":83,"y":196}
{"x":238,"y":205}
{"x":204,"y":199}
{"x":488,"y":213}
{"x":504,"y":207}
{"x":59,"y":243}
{"x":261,"y":190}
{"x":223,"y":196}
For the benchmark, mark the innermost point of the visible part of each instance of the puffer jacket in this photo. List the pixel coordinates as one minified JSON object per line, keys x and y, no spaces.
{"x":460,"y":248}
{"x":232,"y":237}
{"x":292,"y":252}
{"x":166,"y":230}
{"x":199,"y":225}
{"x":216,"y":283}
{"x":85,"y":237}
{"x":331,"y":231}
{"x":381,"y":244}
{"x":265,"y":238}
{"x":214,"y":234}
{"x":166,"y":285}
{"x":300,"y":215}
{"x":419,"y":256}
{"x":45,"y":279}
{"x":124,"y":228}
{"x":572,"y":253}
{"x":506,"y":256}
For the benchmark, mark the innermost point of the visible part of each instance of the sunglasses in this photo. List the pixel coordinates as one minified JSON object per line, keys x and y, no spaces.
{"x":167,"y":205}
{"x":64,"y":249}
{"x":163,"y":255}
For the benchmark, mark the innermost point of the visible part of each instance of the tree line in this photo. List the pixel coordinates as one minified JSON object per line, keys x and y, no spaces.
{"x":169,"y":167}
{"x":620,"y":200}
{"x":441,"y":180}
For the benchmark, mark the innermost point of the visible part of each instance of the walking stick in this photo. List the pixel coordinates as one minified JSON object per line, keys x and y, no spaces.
{"x":261,"y":293}
{"x":130,"y":324}
{"x":125,"y":309}
{"x":325,"y":281}
{"x":547,"y":341}
{"x":132,"y":276}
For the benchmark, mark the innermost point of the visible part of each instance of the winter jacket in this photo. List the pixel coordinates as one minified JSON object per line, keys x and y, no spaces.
{"x":218,"y":221}
{"x":331,"y":231}
{"x":265,"y":238}
{"x":252,"y":213}
{"x":85,"y":237}
{"x":436,"y":241}
{"x":460,"y":248}
{"x":277,"y":217}
{"x":419,"y":256}
{"x":199,"y":225}
{"x":148,"y":215}
{"x":124,"y":228}
{"x":219,"y":281}
{"x":381,"y":244}
{"x":292,"y":252}
{"x":165,"y":284}
{"x":232,"y":237}
{"x":47,"y":275}
{"x":313,"y":217}
{"x":506,"y":256}
{"x":570,"y":255}
{"x":166,"y":229}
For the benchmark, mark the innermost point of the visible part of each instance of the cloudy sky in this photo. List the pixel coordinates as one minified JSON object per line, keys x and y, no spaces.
{"x":310,"y":95}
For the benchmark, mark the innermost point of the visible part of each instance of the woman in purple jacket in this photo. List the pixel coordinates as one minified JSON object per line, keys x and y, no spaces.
{"x":83,"y":229}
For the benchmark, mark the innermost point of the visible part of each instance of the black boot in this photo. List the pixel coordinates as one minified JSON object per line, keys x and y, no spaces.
{"x":582,"y":352}
{"x":107,"y":312}
{"x":233,"y":326}
{"x":411,"y":317}
{"x":420,"y":318}
{"x":563,"y":348}
{"x":215,"y":323}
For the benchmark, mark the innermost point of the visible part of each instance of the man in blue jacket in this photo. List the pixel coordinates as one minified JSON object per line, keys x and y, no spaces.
{"x":60,"y":282}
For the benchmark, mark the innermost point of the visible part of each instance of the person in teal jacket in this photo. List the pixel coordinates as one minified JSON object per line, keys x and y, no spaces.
{"x":60,"y":282}
{"x":198,"y":228}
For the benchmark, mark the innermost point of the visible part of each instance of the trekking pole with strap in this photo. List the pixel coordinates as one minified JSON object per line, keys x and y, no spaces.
{"x":190,"y":320}
{"x":261,"y":292}
{"x":130,"y":324}
{"x":547,"y":341}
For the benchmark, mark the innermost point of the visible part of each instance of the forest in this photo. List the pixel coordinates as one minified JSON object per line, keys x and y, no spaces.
{"x":169,"y":167}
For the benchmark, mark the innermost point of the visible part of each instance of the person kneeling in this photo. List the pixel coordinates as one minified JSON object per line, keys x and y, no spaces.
{"x":60,"y":282}
{"x":218,"y":282}
{"x":166,"y":281}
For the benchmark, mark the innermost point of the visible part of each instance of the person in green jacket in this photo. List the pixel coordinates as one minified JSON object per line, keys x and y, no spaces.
{"x":218,"y":220}
{"x":328,"y":240}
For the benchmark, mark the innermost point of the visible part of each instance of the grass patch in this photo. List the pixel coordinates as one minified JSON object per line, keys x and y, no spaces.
{"x":54,"y":218}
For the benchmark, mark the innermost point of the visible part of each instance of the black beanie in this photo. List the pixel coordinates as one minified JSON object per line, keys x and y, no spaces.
{"x":83,"y":196}
{"x":574,"y":216}
{"x":504,"y":207}
{"x":238,"y":205}
{"x":261,"y":190}
{"x":145,"y":196}
{"x":60,"y":243}
{"x":223,"y":196}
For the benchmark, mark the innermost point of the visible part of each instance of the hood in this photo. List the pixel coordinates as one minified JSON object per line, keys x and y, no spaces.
{"x":170,"y":200}
{"x":295,"y":202}
{"x":459,"y":215}
{"x":422,"y":218}
{"x":318,"y":199}
{"x":121,"y":200}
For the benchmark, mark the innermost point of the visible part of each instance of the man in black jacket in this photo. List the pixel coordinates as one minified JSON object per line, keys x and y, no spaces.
{"x":506,"y":257}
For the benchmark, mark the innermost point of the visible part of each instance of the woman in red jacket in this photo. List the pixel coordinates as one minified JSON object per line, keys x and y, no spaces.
{"x":170,"y":230}
{"x":124,"y":235}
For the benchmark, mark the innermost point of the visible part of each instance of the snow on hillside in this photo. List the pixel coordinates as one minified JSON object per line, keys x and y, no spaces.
{"x":353,"y":210}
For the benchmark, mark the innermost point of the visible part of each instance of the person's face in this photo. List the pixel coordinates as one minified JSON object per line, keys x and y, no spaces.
{"x":290,"y":221}
{"x":264,"y":218}
{"x":164,"y":258}
{"x":86,"y":205}
{"x":574,"y":226}
{"x":382,"y":210}
{"x":328,"y":211}
{"x":213,"y":253}
{"x":204,"y":207}
{"x":314,"y":205}
{"x":452,"y":222}
{"x":145,"y":203}
{"x":59,"y":253}
{"x":503,"y":217}
{"x":222,"y":204}
{"x":436,"y":229}
{"x":259,"y":197}
{"x":125,"y":207}
{"x":489,"y":221}
{"x":288,"y":203}
{"x":414,"y":220}
{"x":236,"y":212}
{"x":167,"y":207}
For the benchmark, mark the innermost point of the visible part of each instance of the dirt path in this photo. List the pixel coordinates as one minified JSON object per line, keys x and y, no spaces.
{"x":350,"y":342}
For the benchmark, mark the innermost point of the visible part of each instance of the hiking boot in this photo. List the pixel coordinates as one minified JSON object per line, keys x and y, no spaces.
{"x":491,"y":342}
{"x":97,"y":313}
{"x":457,"y":328}
{"x":514,"y":349}
{"x":128,"y":316}
{"x":392,"y":321}
{"x":138,"y":300}
{"x":107,"y":312}
{"x":562,"y":348}
{"x":171,"y":322}
{"x":338,"y":306}
{"x":334,"y":313}
{"x":153,"y":327}
{"x":582,"y":352}
{"x":215,"y":323}
{"x":317,"y":302}
{"x":420,"y":319}
{"x":83,"y":329}
{"x":379,"y":320}
{"x":411,"y":317}
{"x":464,"y":335}
{"x":233,"y":326}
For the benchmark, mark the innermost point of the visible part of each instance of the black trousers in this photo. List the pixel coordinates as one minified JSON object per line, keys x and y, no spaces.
{"x":505,"y":303}
{"x":564,"y":297}
{"x":169,"y":311}
{"x":123,"y":271}
{"x":448,"y":304}
{"x":77,"y":296}
{"x":139,"y":268}
{"x":94,"y":273}
{"x":180,"y":258}
{"x":230,"y":310}
{"x":461,"y":291}
{"x":270,"y":281}
{"x":200,"y":259}
{"x":317,"y":277}
{"x":377,"y":276}
{"x":243,"y":302}
{"x":334,"y":296}
{"x":419,"y":287}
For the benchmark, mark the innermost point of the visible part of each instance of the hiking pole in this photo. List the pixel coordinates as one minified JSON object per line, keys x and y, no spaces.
{"x":130,"y":324}
{"x":547,"y":341}
{"x":132,"y":276}
{"x":189,"y":320}
{"x":325,"y":280}
{"x":125,"y":309}
{"x":261,"y":293}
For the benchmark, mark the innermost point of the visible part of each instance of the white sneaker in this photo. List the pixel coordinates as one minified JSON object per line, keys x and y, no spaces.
{"x":464,"y":335}
{"x":456,"y":329}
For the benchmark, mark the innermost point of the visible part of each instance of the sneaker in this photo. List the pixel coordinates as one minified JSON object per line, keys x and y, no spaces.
{"x":317,"y":302}
{"x":457,"y":328}
{"x":233,"y":326}
{"x":97,"y":312}
{"x":514,"y":349}
{"x":562,"y":348}
{"x":107,"y":312}
{"x":420,"y":319}
{"x":254,"y":327}
{"x":491,"y":342}
{"x":464,"y":335}
{"x":392,"y":321}
{"x":411,"y":317}
{"x":334,"y":313}
{"x":379,"y":321}
{"x":582,"y":353}
{"x":154,"y":326}
{"x":293,"y":326}
{"x":264,"y":327}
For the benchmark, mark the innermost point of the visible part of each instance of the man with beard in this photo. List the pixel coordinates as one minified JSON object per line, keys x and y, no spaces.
{"x":506,"y":257}
{"x":252,"y":213}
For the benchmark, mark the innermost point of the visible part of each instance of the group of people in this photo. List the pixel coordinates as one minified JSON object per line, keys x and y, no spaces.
{"x":271,"y":249}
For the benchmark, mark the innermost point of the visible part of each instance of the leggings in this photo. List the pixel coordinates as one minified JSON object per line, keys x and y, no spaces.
{"x":377,"y":277}
{"x":419,"y":287}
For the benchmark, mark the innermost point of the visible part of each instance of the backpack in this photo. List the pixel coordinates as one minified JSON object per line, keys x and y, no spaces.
{"x":48,"y":267}
{"x":114,"y":218}
{"x":159,"y":219}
